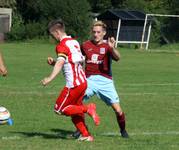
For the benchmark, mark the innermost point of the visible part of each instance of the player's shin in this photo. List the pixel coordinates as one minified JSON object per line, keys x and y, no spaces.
{"x":121,"y":120}
{"x":79,"y":123}
{"x":122,"y":124}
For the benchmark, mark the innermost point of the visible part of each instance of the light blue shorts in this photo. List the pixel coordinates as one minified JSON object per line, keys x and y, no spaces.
{"x":103,"y":88}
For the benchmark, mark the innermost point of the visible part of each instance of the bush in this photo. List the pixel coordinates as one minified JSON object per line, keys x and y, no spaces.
{"x":31,"y":30}
{"x":18,"y":29}
{"x":35,"y":30}
{"x":75,"y":13}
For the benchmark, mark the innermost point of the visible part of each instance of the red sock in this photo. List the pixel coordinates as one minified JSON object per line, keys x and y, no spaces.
{"x":79,"y":123}
{"x":74,"y":110}
{"x":121,"y":121}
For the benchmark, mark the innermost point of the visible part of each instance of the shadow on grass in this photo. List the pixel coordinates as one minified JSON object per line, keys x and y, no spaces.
{"x":54,"y":134}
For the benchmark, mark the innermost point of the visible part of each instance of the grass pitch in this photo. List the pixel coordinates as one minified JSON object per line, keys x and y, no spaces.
{"x":147,"y":83}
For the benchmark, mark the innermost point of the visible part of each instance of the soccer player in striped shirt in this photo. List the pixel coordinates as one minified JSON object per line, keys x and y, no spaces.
{"x":69,"y":59}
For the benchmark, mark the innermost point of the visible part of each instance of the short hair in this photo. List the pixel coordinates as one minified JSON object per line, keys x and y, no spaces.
{"x":100,"y":23}
{"x":56,"y":25}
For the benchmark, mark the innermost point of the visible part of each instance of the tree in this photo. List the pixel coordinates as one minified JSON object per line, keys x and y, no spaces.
{"x":29,"y":10}
{"x":8,"y":4}
{"x":118,"y":3}
{"x":171,"y":28}
{"x":75,"y":13}
{"x":100,"y":5}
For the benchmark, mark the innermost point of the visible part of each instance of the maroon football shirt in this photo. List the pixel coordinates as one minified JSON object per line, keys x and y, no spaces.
{"x":98,"y":59}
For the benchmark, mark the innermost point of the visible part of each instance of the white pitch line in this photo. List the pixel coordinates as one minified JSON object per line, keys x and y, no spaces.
{"x":125,"y":84}
{"x":28,"y":93}
{"x":139,"y":94}
{"x":10,"y":138}
{"x":151,"y":84}
{"x":56,"y":93}
{"x":143,"y":133}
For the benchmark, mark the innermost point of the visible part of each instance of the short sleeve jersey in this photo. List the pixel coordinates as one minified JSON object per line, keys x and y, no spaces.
{"x":69,"y":50}
{"x":98,"y":59}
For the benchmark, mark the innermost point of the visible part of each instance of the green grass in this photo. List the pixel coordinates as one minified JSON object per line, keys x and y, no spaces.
{"x":147,"y":82}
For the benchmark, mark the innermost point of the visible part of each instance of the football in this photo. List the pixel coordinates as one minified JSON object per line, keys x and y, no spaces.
{"x":5,"y":116}
{"x":4,"y":113}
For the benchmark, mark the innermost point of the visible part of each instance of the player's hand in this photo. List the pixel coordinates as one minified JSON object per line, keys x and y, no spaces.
{"x":50,"y":61}
{"x":45,"y":81}
{"x":111,"y":42}
{"x":3,"y":72}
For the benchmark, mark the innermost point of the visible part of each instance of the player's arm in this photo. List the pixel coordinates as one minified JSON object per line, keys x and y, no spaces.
{"x":57,"y":68}
{"x":3,"y":70}
{"x":115,"y":53}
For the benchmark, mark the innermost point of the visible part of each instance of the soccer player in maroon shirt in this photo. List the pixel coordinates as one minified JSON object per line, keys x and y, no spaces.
{"x":69,"y":59}
{"x":3,"y":70}
{"x":99,"y":55}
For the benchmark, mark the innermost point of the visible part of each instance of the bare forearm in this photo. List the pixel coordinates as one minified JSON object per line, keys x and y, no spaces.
{"x":115,"y":54}
{"x":57,"y":68}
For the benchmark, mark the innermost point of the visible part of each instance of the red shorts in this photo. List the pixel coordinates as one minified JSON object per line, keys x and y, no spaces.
{"x":70,"y":96}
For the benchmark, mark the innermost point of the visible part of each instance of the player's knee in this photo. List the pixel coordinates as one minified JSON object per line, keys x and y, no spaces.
{"x":58,"y":112}
{"x":118,"y":113}
{"x":117,"y":110}
{"x":66,"y":113}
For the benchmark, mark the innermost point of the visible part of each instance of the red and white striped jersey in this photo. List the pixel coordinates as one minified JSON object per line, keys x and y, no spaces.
{"x":69,"y":50}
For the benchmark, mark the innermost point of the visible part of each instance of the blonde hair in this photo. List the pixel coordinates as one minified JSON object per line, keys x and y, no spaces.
{"x":101,"y":24}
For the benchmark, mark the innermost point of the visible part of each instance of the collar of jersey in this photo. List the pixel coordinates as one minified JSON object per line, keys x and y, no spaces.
{"x":64,"y":37}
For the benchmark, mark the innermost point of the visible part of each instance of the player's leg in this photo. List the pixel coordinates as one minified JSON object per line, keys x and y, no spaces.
{"x":92,"y":113}
{"x":67,"y":100}
{"x":64,"y":100}
{"x":107,"y":92}
{"x":90,"y":109}
{"x":120,"y":116}
{"x":91,"y":90}
{"x":76,"y":106}
{"x":82,"y":131}
{"x":69,"y":103}
{"x":80,"y":125}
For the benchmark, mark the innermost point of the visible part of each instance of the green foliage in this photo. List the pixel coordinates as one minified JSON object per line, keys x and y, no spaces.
{"x":22,"y":31}
{"x":171,"y":28}
{"x":8,"y":4}
{"x":117,"y":3}
{"x":35,"y":30}
{"x":75,"y":14}
{"x":100,"y":5}
{"x":135,"y":4}
{"x":29,"y":10}
{"x":18,"y":29}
